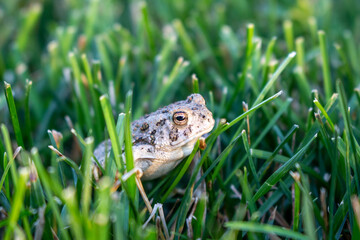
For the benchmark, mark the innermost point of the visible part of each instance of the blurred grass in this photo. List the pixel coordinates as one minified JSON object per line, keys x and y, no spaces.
{"x":79,"y":67}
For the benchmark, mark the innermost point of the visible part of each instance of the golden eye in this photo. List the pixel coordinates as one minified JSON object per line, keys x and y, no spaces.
{"x":180,"y":118}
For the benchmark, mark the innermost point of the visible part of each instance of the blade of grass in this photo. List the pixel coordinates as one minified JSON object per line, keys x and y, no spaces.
{"x":17,"y":203}
{"x":146,"y":22}
{"x":266,"y":229}
{"x":325,"y":64}
{"x":130,"y":164}
{"x":9,"y":153}
{"x":190,"y":49}
{"x":110,"y":124}
{"x":289,"y":35}
{"x":300,"y":50}
{"x":45,"y":180}
{"x":334,"y":173}
{"x":268,"y":161}
{"x":37,"y":197}
{"x":278,"y":193}
{"x":99,"y":122}
{"x":86,"y":191}
{"x":227,"y":126}
{"x":31,"y":17}
{"x":353,"y":53}
{"x":219,"y":161}
{"x":272,"y":122}
{"x":349,"y":131}
{"x":251,"y":161}
{"x":249,"y":50}
{"x":181,"y":173}
{"x":246,"y":190}
{"x":195,"y":83}
{"x":74,"y":213}
{"x":269,"y":52}
{"x":102,"y":212}
{"x":13,"y":114}
{"x":119,"y":76}
{"x":176,"y":75}
{"x":80,"y":90}
{"x":105,"y":58}
{"x":307,"y":207}
{"x":321,"y":108}
{"x":280,"y":172}
{"x":351,"y":83}
{"x":2,"y":149}
{"x":5,"y":176}
{"x":27,"y":112}
{"x":296,"y":201}
{"x":250,"y":111}
{"x":199,"y":217}
{"x":274,"y":77}
{"x":303,"y":84}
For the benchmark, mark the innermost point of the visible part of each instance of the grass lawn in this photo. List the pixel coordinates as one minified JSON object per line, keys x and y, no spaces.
{"x":282,"y":79}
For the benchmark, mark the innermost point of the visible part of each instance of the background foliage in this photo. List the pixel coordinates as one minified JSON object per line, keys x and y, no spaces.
{"x":284,"y":165}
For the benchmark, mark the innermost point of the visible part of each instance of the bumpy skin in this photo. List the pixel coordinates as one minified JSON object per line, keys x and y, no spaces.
{"x":160,"y":142}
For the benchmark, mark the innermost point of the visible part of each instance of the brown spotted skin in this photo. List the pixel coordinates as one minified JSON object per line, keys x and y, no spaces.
{"x":159,"y":144}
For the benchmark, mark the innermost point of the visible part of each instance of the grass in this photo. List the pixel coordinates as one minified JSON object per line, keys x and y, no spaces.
{"x":282,"y":80}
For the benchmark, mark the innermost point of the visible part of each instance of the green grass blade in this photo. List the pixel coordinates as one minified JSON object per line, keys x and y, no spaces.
{"x":280,"y":172}
{"x":86,"y":169}
{"x":13,"y":114}
{"x":102,"y":213}
{"x":220,"y":160}
{"x":272,"y":122}
{"x":27,"y":112}
{"x":9,"y":151}
{"x":296,"y":202}
{"x":289,"y":35}
{"x":99,"y":122}
{"x":4,"y":177}
{"x":80,"y":90}
{"x":266,"y":229}
{"x":31,"y":17}
{"x":349,"y":132}
{"x":146,"y":22}
{"x":17,"y":203}
{"x":130,"y":164}
{"x":110,"y":124}
{"x":251,"y":160}
{"x":266,"y":68}
{"x":175,"y":77}
{"x":273,"y":78}
{"x":45,"y":180}
{"x":74,"y":212}
{"x":300,"y":50}
{"x":246,"y":190}
{"x":250,"y":111}
{"x":195,"y":83}
{"x":6,"y":167}
{"x":321,"y":108}
{"x":181,"y":173}
{"x":303,"y":83}
{"x":249,"y":51}
{"x":105,"y":58}
{"x":325,"y":64}
{"x":307,"y":208}
{"x":189,"y":48}
{"x":268,"y":161}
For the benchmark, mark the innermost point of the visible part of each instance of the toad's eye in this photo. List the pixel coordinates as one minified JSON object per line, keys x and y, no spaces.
{"x":180,"y":118}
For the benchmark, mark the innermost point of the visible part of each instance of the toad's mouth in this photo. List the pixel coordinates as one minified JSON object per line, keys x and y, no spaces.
{"x":195,"y":137}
